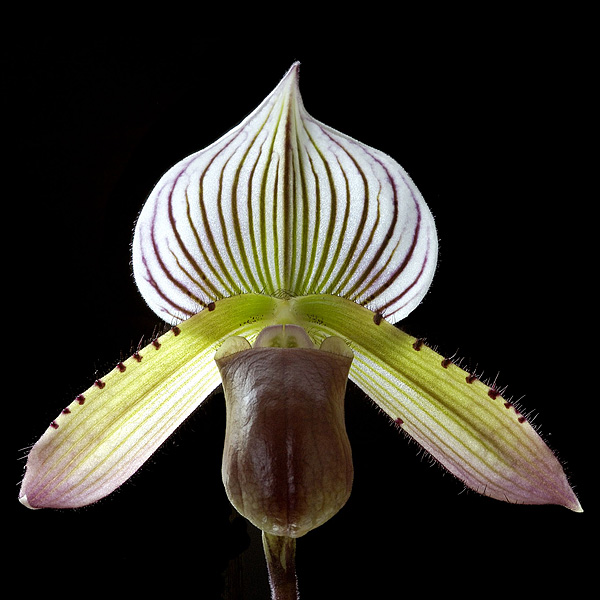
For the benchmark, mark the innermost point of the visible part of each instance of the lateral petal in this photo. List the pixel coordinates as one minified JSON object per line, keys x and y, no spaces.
{"x":109,"y":431}
{"x":466,"y":425}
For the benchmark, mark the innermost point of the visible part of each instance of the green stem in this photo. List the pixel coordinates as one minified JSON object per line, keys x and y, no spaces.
{"x":280,"y":553}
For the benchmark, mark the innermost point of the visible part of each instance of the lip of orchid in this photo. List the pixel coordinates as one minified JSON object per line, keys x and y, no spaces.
{"x":287,"y":464}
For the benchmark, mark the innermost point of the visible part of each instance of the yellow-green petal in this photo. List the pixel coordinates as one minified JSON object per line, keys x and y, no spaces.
{"x":111,"y":429}
{"x":465,"y":424}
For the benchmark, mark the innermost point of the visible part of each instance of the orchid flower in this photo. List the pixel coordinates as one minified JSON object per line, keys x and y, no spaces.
{"x":281,"y":256}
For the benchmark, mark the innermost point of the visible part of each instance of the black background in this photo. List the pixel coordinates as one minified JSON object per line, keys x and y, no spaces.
{"x":490,"y":122}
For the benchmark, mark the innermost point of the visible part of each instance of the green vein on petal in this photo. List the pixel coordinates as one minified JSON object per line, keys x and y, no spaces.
{"x":111,"y":429}
{"x":475,"y":434}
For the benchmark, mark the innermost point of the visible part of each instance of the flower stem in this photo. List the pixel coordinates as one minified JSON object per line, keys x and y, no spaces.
{"x":280,"y":553}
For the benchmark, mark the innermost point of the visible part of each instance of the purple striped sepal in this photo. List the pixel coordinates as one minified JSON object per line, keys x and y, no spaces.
{"x":285,"y":205}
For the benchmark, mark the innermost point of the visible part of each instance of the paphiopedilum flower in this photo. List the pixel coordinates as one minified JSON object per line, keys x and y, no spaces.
{"x":282,"y":256}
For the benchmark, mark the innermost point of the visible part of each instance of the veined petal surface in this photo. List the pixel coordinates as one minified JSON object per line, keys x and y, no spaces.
{"x":109,"y":431}
{"x":466,"y":425}
{"x":284,"y":204}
